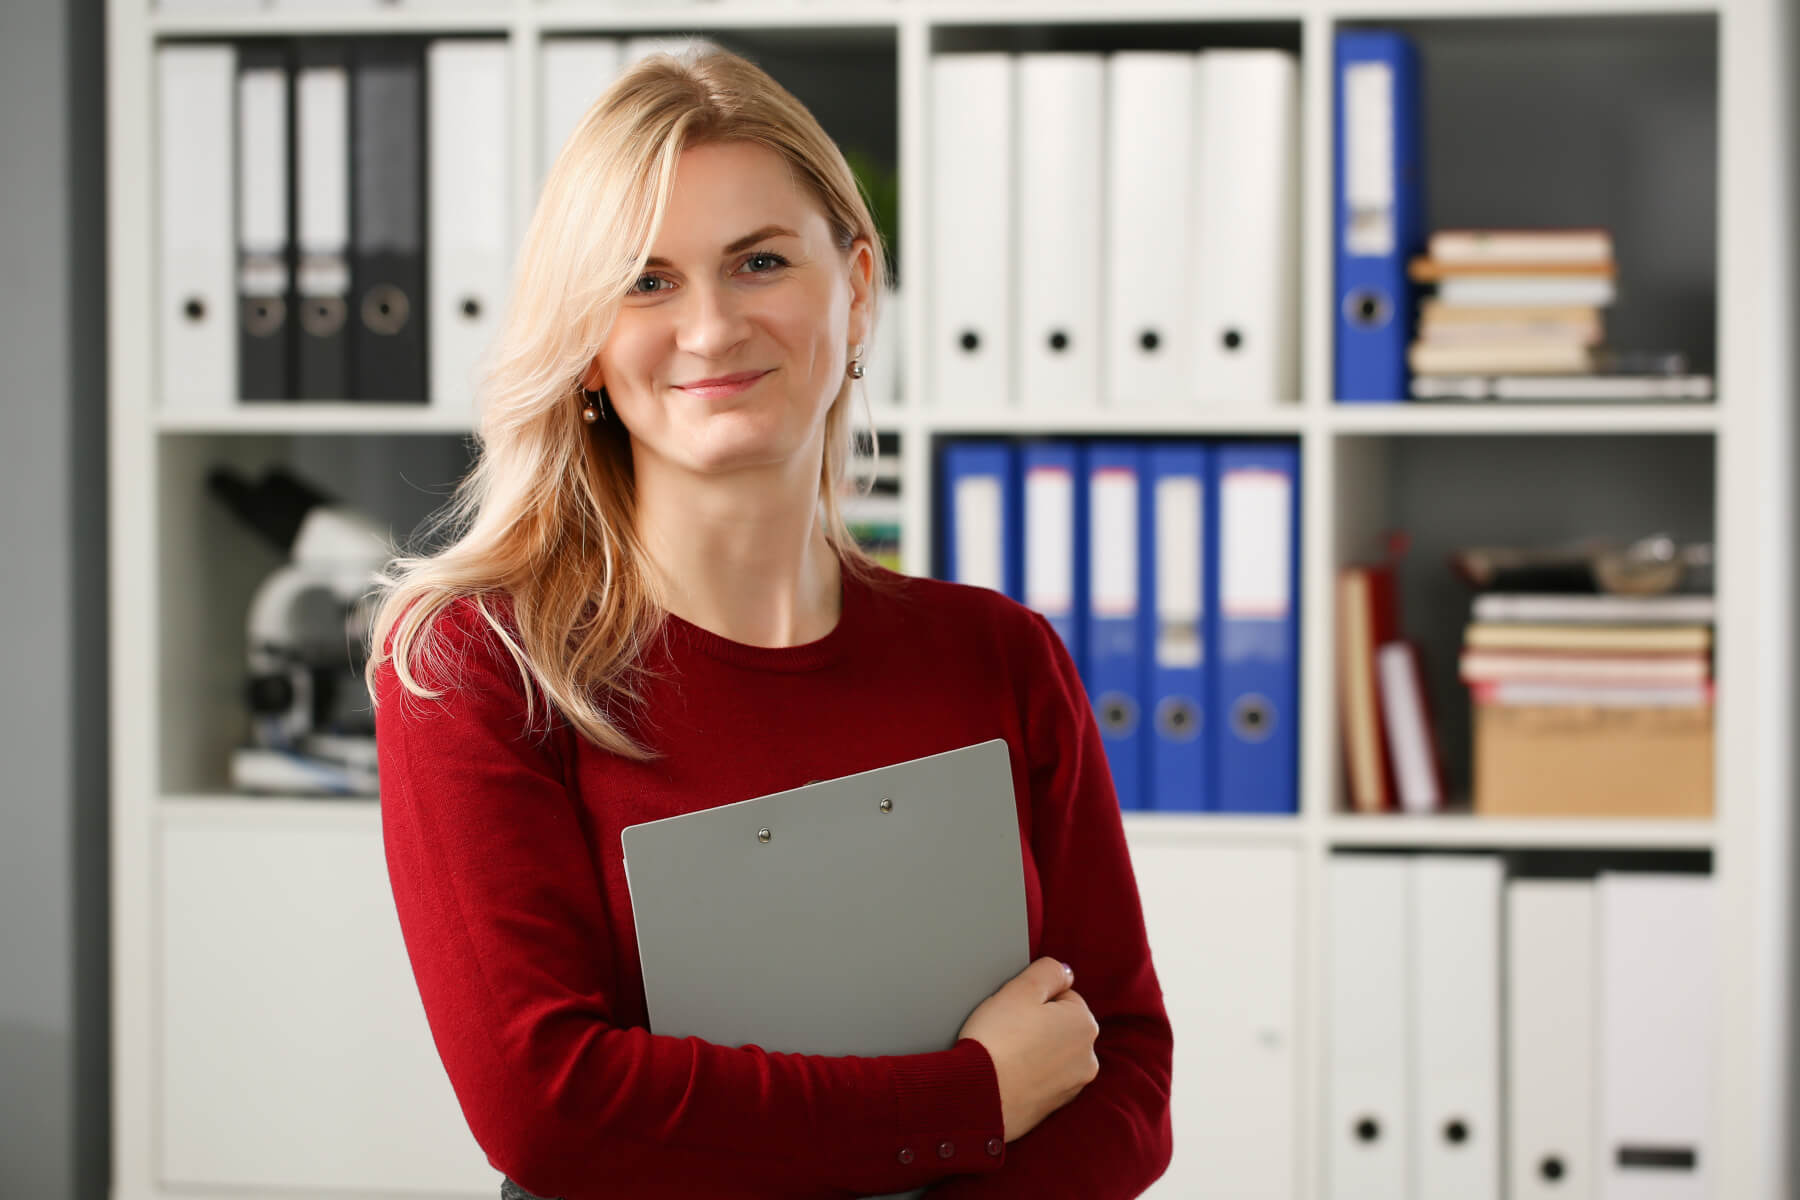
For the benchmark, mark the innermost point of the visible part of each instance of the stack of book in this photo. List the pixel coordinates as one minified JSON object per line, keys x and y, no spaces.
{"x":1591,"y":705}
{"x":1519,"y":315}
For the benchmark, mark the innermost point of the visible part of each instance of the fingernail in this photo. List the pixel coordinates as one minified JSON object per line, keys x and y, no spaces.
{"x":1068,"y":970}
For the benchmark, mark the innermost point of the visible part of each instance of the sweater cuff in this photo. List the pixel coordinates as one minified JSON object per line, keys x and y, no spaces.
{"x":949,"y":1110}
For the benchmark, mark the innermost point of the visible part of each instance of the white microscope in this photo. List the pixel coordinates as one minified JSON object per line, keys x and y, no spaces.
{"x":311,"y":720}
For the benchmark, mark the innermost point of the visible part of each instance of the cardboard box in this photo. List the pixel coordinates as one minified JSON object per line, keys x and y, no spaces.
{"x":1593,"y":762}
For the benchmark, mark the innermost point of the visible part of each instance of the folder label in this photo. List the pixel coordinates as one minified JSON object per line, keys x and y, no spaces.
{"x":1050,"y":539}
{"x":1256,"y":510}
{"x":1369,"y":158}
{"x":1113,"y":497}
{"x":1179,"y":585}
{"x":979,"y":553}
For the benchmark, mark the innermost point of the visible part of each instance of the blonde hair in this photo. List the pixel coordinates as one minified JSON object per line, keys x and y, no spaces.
{"x":542,"y":525}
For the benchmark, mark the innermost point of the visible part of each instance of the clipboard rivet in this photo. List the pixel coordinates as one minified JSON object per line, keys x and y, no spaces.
{"x":887,"y":805}
{"x":763,"y":835}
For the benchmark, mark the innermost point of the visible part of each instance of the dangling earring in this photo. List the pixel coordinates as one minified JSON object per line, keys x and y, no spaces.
{"x":856,"y":366}
{"x":596,"y":405}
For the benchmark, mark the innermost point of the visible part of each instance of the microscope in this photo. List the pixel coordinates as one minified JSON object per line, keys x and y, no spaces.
{"x":311,"y":720}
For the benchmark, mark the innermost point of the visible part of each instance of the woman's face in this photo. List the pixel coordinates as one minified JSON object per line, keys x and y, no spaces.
{"x":743,"y":280}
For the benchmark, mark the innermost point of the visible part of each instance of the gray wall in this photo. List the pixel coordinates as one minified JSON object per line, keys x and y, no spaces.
{"x":54,"y":1024}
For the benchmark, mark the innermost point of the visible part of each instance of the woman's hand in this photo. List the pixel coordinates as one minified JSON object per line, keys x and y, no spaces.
{"x":1041,"y":1037}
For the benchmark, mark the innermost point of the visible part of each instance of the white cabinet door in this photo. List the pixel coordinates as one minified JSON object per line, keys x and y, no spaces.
{"x":1224,"y":928}
{"x":294,"y":1049}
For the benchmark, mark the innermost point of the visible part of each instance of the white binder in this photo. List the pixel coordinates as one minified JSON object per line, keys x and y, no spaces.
{"x":1657,"y":1020}
{"x":470,"y":241}
{"x":1149,"y":216}
{"x":971,"y":238}
{"x":1369,"y":970}
{"x":1246,"y":338}
{"x":1060,"y":115}
{"x":1234,"y":1103}
{"x":1455,"y":927}
{"x":197,"y":289}
{"x":575,"y":72}
{"x":1551,"y":964}
{"x":883,"y":365}
{"x":322,"y":223}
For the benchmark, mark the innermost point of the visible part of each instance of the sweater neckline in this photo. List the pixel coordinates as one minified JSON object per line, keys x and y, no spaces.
{"x":807,"y":656}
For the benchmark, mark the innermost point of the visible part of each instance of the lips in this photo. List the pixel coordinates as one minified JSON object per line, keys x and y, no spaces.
{"x":723,"y":380}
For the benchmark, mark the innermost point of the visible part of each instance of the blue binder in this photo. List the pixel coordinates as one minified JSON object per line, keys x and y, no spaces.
{"x":1055,"y":541}
{"x":979,"y":501}
{"x":1180,"y":497}
{"x":1378,"y":194}
{"x":1255,"y":593}
{"x":1112,"y":477}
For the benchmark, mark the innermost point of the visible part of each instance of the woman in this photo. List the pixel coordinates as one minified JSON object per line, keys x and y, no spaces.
{"x":652,"y":606}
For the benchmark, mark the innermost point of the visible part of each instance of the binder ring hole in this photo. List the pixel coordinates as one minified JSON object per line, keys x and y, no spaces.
{"x":385,"y":310}
{"x":323,"y":316}
{"x":1232,"y":339}
{"x":1368,"y":1130}
{"x":1367,"y":309}
{"x":763,"y":835}
{"x":1456,"y":1131}
{"x":1059,"y":341}
{"x":1178,"y":719}
{"x":970,"y":340}
{"x":1118,"y":714}
{"x":194,"y":309}
{"x":1551,"y":1168}
{"x":1150,"y":340}
{"x":471,"y":307}
{"x":1253,"y":718}
{"x":264,"y":315}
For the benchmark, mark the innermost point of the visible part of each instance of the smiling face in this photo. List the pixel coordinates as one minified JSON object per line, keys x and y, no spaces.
{"x":744,"y":284}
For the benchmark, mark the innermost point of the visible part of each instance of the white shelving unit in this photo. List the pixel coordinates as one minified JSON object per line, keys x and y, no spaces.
{"x":279,"y":1119}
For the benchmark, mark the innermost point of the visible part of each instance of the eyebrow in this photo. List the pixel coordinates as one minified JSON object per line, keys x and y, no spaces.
{"x":743,"y":243}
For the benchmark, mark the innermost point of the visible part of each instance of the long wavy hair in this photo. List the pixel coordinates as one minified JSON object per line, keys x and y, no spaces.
{"x":539,"y":535}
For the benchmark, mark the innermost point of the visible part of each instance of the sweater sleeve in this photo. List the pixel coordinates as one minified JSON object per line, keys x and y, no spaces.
{"x":1114,"y":1139}
{"x":504,"y":923}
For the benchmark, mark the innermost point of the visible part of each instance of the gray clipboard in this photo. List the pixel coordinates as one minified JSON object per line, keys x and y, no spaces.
{"x":877,"y":913}
{"x":864,"y":915}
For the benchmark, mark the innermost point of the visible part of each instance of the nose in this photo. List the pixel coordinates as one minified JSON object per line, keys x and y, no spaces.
{"x":712,"y":321}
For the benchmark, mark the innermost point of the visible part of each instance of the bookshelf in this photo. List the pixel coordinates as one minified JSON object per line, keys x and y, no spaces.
{"x":1708,"y":76}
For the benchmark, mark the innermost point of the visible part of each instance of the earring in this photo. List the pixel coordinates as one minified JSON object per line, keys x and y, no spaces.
{"x":596,"y":406}
{"x":856,"y":366}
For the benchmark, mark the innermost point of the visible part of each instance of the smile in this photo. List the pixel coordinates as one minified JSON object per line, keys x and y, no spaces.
{"x":725,"y":385}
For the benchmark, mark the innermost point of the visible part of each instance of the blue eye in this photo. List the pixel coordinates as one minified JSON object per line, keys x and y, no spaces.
{"x":771,"y":257}
{"x":642,"y":279}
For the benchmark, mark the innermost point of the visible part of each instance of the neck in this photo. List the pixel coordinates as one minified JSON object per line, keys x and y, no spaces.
{"x":741,"y":555}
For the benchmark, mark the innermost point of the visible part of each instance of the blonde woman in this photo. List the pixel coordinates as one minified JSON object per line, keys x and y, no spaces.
{"x":651,"y":605}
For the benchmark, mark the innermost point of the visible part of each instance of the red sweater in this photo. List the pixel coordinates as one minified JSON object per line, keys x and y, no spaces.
{"x":504,"y":856}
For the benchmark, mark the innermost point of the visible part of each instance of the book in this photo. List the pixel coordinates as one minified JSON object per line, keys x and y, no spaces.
{"x":1617,"y":670}
{"x":1520,"y":245}
{"x":1560,"y":387}
{"x":1411,"y":738}
{"x":1527,"y":289}
{"x":1551,"y":358}
{"x":1432,"y":270}
{"x":1520,"y":636}
{"x":1572,"y":609}
{"x":1368,"y":618}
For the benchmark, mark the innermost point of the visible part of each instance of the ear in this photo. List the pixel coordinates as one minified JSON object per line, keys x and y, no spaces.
{"x":862,"y":291}
{"x":590,"y":379}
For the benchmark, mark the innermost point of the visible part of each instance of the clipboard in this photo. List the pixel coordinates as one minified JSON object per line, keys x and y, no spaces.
{"x":864,"y":915}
